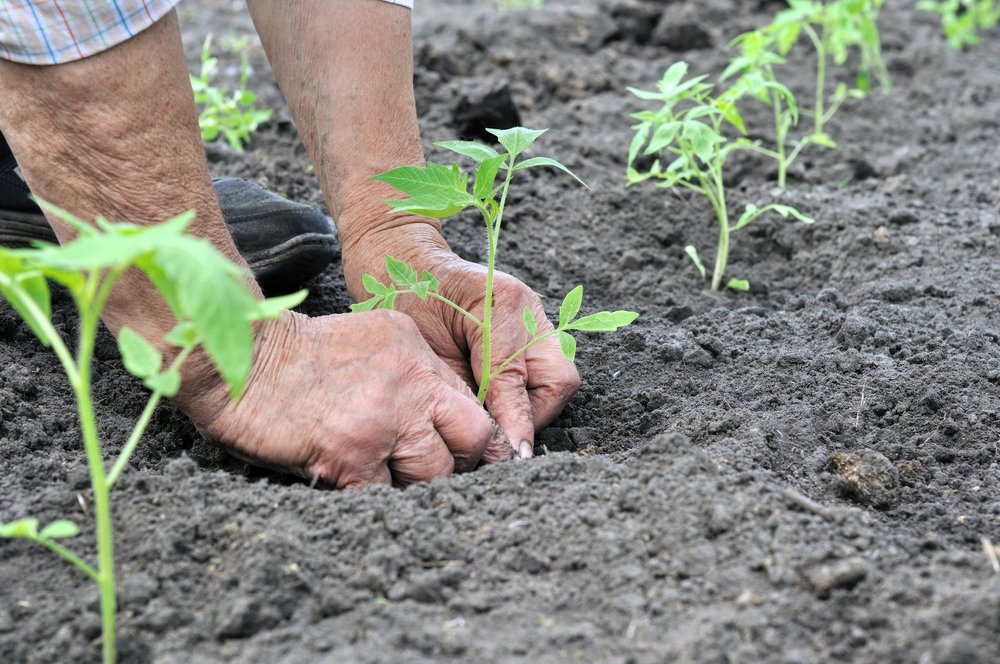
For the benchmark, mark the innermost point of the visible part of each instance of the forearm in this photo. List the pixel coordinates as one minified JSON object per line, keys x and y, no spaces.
{"x":346,"y":70}
{"x":116,"y":135}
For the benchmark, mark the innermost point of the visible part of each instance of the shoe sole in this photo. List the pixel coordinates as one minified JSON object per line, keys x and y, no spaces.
{"x":293,"y":261}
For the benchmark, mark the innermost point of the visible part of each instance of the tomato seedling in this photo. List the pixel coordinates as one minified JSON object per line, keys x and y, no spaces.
{"x":440,"y":191}
{"x":962,"y":20}
{"x":214,"y":310}
{"x":229,"y":114}
{"x":688,"y":130}
{"x":833,"y":29}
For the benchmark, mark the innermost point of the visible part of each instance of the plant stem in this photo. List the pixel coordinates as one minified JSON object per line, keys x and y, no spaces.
{"x":68,"y":556}
{"x":780,"y":140}
{"x":520,"y":351}
{"x":493,"y":233}
{"x":722,"y":255}
{"x":818,"y":117}
{"x":140,"y":428}
{"x":89,"y":318}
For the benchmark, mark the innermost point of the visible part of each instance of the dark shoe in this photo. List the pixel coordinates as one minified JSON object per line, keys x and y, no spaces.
{"x":284,"y":243}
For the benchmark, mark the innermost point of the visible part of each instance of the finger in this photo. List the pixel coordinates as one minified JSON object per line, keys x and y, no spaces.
{"x":421,"y":460}
{"x":507,"y":400}
{"x":464,"y":426}
{"x":362,"y":477}
{"x":552,"y":381}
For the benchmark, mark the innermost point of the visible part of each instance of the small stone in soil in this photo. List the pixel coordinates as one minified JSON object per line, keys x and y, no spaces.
{"x":846,"y":573}
{"x":866,"y":476}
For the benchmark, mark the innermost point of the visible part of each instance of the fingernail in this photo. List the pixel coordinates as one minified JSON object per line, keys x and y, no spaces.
{"x":524,"y":450}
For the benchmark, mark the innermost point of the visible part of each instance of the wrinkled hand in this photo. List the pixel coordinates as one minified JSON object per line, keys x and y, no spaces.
{"x":529,"y":393}
{"x":349,"y":400}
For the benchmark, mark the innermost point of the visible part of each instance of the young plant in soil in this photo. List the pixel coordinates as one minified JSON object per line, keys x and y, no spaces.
{"x":229,"y":114}
{"x":833,"y":30}
{"x":440,"y":191}
{"x":214,"y":310}
{"x":688,"y":130}
{"x":962,"y":20}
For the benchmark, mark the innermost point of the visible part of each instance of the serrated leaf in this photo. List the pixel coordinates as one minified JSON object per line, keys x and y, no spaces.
{"x":476,"y":151}
{"x":530,"y":324}
{"x":420,"y":289}
{"x":570,"y":306}
{"x":692,"y":253}
{"x":432,"y":281}
{"x":166,"y":383}
{"x":139,"y":356}
{"x":516,"y":139}
{"x":603,"y":321}
{"x":486,"y":175}
{"x":59,"y":529}
{"x":567,"y":344}
{"x":373,"y":285}
{"x":400,"y":272}
{"x":20,"y":528}
{"x":430,"y":179}
{"x":741,"y":285}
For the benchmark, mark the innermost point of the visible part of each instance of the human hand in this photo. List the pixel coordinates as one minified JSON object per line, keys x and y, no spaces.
{"x":534,"y":388}
{"x":350,"y":400}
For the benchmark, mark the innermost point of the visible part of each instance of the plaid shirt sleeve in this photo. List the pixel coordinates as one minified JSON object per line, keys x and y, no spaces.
{"x":50,"y":32}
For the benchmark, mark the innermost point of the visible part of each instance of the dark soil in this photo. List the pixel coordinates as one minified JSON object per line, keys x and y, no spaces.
{"x":803,"y":474}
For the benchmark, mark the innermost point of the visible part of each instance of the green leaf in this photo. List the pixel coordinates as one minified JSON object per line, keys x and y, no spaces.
{"x":821,"y":139}
{"x":390,"y":300}
{"x":436,"y":205}
{"x":662,"y":137}
{"x":530,"y":324}
{"x":273,"y":307}
{"x":535,"y":162}
{"x":603,"y":321}
{"x":692,"y":253}
{"x":567,"y":344}
{"x":20,"y":528}
{"x":420,"y":289}
{"x":486,"y":174}
{"x":475,"y":151}
{"x":570,"y":306}
{"x":184,"y":335}
{"x":139,"y":356}
{"x":741,"y":285}
{"x":21,"y":284}
{"x":429,"y":179}
{"x":222,"y":313}
{"x":400,"y":272}
{"x":788,"y":210}
{"x":166,"y":383}
{"x":83,"y":228}
{"x":59,"y":529}
{"x":641,"y":135}
{"x":373,"y":285}
{"x":366,"y":305}
{"x":516,"y":139}
{"x":432,"y":281}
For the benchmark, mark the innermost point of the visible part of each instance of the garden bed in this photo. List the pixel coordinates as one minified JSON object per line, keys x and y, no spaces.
{"x":803,"y":473}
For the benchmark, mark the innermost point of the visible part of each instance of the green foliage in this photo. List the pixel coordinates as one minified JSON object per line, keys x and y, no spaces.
{"x":834,"y":29}
{"x":440,"y":191}
{"x":214,"y":310}
{"x":231,"y":115}
{"x":962,"y":20}
{"x":520,"y":4}
{"x":689,"y":132}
